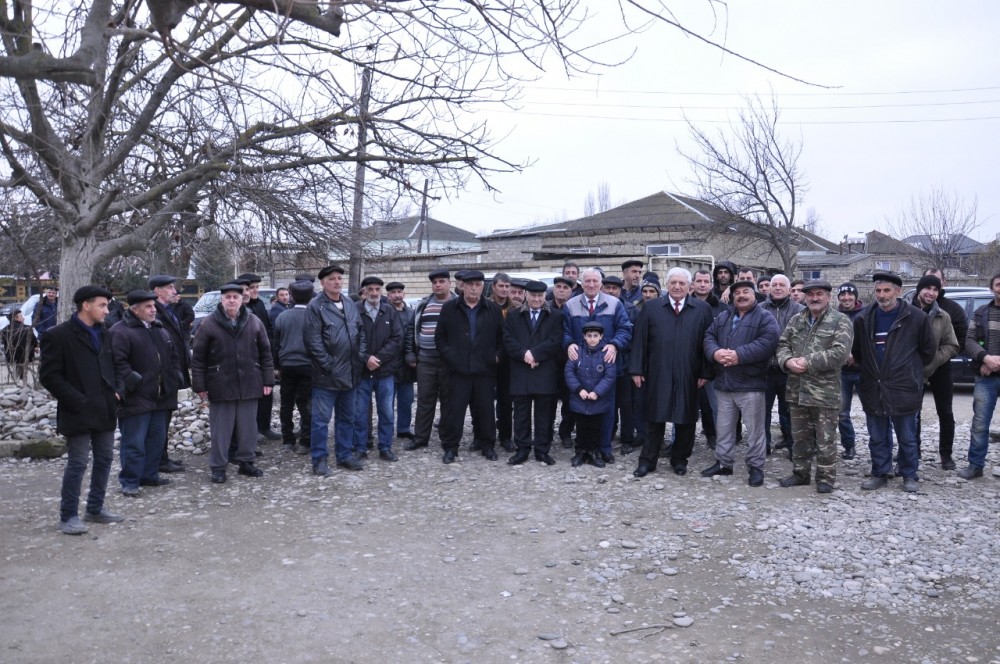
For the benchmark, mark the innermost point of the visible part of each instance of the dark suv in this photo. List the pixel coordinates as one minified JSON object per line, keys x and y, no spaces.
{"x":969,"y":299}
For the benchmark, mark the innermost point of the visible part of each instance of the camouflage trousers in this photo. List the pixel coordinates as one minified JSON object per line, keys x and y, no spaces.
{"x":814,"y":435}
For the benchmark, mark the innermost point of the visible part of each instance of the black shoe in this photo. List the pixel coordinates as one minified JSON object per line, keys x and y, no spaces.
{"x":171,"y":466}
{"x":413,"y":445}
{"x":351,"y":463}
{"x":546,"y":459}
{"x":793,"y":480}
{"x":321,"y":468}
{"x":387,"y":455}
{"x":405,"y":434}
{"x":518,"y":459}
{"x":490,"y":454}
{"x":848,"y":453}
{"x":756,"y":477}
{"x":711,"y":439}
{"x":717,"y":469}
{"x":218,"y":477}
{"x":363,"y":455}
{"x":824,"y":487}
{"x":103,"y":516}
{"x":567,"y":442}
{"x":258,"y":453}
{"x":130,"y":492}
{"x":947,"y":464}
{"x":641,"y":470}
{"x":270,"y":434}
{"x":578,"y":459}
{"x":597,"y":460}
{"x":476,"y":446}
{"x":608,"y":457}
{"x":971,"y":472}
{"x":303,"y":449}
{"x":627,"y":449}
{"x":507,"y":445}
{"x":156,"y":481}
{"x":680,"y":469}
{"x":874,"y":483}
{"x":250,"y":469}
{"x":448,"y":456}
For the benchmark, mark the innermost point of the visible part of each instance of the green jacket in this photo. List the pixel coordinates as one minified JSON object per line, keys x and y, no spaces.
{"x":825,"y":347}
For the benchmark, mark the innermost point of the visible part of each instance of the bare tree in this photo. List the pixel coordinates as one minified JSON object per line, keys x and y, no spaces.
{"x":752,"y":173}
{"x":600,"y":203}
{"x":937,"y":225}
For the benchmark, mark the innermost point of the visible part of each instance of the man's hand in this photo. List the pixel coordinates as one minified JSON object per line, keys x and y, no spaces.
{"x":267,"y":390}
{"x":702,"y":382}
{"x":573,"y":352}
{"x":530,"y":359}
{"x":992,"y":362}
{"x":610,"y":353}
{"x":373,"y":363}
{"x":584,"y":394}
{"x":638,"y":381}
{"x":796,"y":365}
{"x":850,"y":361}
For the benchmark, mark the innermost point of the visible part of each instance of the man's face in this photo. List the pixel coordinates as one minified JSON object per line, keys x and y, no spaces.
{"x":764,"y":287}
{"x":649,"y":293}
{"x":571,"y":272}
{"x":231,"y":302}
{"x":144,"y":311}
{"x":94,"y":310}
{"x":561,"y":292}
{"x":516,"y":296}
{"x":396,"y":297}
{"x":779,"y":289}
{"x":373,"y":293}
{"x":632,"y":275}
{"x":886,"y":294}
{"x":724,"y":276}
{"x":746,"y":274}
{"x":797,"y":293}
{"x":591,"y":284}
{"x":677,"y":286}
{"x":928,"y":295}
{"x":817,"y":299}
{"x":501,"y":290}
{"x":744,"y":298}
{"x":51,"y":294}
{"x":440,"y":286}
{"x":283,"y":295}
{"x":473,"y":291}
{"x":252,"y":290}
{"x":995,"y":287}
{"x":702,"y":284}
{"x":332,"y":284}
{"x":165,"y":293}
{"x":535,"y":300}
{"x":847,"y":301}
{"x":612,"y":289}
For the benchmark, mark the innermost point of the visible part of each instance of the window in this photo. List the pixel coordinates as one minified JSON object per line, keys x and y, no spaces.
{"x":663,"y":250}
{"x":905,"y":267}
{"x":585,"y":250}
{"x":883,"y":266}
{"x":811,"y":274}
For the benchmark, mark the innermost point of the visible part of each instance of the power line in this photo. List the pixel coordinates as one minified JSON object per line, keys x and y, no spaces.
{"x":785,"y":122}
{"x":783,"y":108}
{"x":768,"y":94}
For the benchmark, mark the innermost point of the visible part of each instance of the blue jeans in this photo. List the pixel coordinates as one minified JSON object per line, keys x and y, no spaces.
{"x":404,"y":407}
{"x":142,"y":441}
{"x":78,"y":450}
{"x":880,"y":444}
{"x":984,"y":402}
{"x":385,"y":393}
{"x":849,"y":384}
{"x":324,"y":401}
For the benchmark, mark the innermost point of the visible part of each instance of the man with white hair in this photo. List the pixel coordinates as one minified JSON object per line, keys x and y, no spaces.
{"x":779,"y":304}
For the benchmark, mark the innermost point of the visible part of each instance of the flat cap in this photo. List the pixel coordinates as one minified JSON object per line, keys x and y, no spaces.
{"x":460,"y":275}
{"x":593,"y":325}
{"x":395,"y":285}
{"x":231,"y":287}
{"x":613,"y":281}
{"x":301,"y":291}
{"x":137,"y":296}
{"x":472,"y":275}
{"x":372,"y":281}
{"x":160,"y":280}
{"x":535,"y":286}
{"x":439,"y":274}
{"x":814,"y":284}
{"x":305,"y":277}
{"x":632,"y":263}
{"x":330,"y":269}
{"x":888,"y":276}
{"x":565,"y":280}
{"x":250,"y":278}
{"x":84,"y":293}
{"x":519,"y":282}
{"x":741,"y":284}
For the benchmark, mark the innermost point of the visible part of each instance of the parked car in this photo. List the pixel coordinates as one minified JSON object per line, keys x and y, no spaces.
{"x":206,"y":303}
{"x":970,"y":299}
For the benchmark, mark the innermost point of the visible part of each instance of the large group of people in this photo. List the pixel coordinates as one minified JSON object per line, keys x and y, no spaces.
{"x":619,"y":354}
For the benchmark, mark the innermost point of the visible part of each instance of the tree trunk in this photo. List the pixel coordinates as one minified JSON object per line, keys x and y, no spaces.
{"x":79,"y":257}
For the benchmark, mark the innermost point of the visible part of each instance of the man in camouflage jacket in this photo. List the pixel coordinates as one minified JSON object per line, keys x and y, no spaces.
{"x":812,"y":349}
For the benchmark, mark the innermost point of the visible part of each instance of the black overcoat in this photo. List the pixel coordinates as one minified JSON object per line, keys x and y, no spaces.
{"x":147,"y":372}
{"x":667,"y":350}
{"x":231,"y":364}
{"x":545,"y":344}
{"x":462,"y":353}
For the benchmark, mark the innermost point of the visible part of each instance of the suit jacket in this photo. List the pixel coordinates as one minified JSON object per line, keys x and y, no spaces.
{"x":545,"y":344}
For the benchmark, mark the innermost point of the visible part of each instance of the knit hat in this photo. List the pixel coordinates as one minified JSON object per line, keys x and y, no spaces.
{"x":929,"y":280}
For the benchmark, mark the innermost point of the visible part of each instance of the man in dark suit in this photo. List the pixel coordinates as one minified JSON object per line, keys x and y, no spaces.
{"x":166,"y":293}
{"x":78,"y":369}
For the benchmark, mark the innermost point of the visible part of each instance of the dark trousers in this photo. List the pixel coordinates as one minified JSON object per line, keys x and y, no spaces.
{"x":943,"y":389}
{"x":588,"y":432}
{"x":625,"y":409}
{"x":706,"y":396}
{"x":505,"y":407}
{"x":567,"y":418}
{"x":432,"y":385}
{"x":296,"y":392}
{"x":639,"y":413}
{"x":264,"y":405}
{"x":777,"y":383}
{"x":475,"y":394}
{"x":78,"y":450}
{"x":542,"y":438}
{"x":166,"y":436}
{"x":680,"y":451}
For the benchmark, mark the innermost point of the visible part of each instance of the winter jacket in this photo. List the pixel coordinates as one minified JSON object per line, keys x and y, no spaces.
{"x":479,"y":356}
{"x":383,"y":338}
{"x":80,"y":378}
{"x":545,"y":344}
{"x":782,"y":312}
{"x":276,"y":310}
{"x":609,"y":311}
{"x":404,"y":372}
{"x":944,"y":339}
{"x":825,"y":346}
{"x":895,"y":387}
{"x":289,"y":347}
{"x":851,"y":315}
{"x":231,"y":364}
{"x":259,"y":309}
{"x":411,"y":342}
{"x":147,"y":371}
{"x":590,"y":372}
{"x":174,"y":327}
{"x":976,"y":339}
{"x":754,"y":338}
{"x":333,"y":340}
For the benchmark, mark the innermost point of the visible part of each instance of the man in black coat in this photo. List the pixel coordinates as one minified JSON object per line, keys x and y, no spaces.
{"x":533,"y":340}
{"x":469,"y":338}
{"x":147,"y":376}
{"x":166,"y":292}
{"x":383,"y":339}
{"x":256,"y":306}
{"x":78,"y":369}
{"x":405,"y":374}
{"x":668,"y":358}
{"x":294,"y":368}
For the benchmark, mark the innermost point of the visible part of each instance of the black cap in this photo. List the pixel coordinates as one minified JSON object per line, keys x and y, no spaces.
{"x":593,"y":325}
{"x":613,"y":281}
{"x":564,"y":280}
{"x":631,"y":263}
{"x":249,"y":277}
{"x":301,"y":291}
{"x":519,"y":282}
{"x":460,"y":275}
{"x":472,"y":275}
{"x":847,"y":287}
{"x":305,"y":277}
{"x":137,"y":296}
{"x":888,"y":276}
{"x":330,"y":269}
{"x":814,"y":284}
{"x":242,"y":281}
{"x":929,"y":280}
{"x":84,"y":293}
{"x":741,"y":283}
{"x":395,"y":285}
{"x":160,"y":280}
{"x":534,"y":286}
{"x":439,"y":274}
{"x":370,"y":281}
{"x":232,"y":286}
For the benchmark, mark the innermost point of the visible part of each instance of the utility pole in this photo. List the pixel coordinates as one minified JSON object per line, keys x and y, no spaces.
{"x":423,"y":224}
{"x":354,"y":271}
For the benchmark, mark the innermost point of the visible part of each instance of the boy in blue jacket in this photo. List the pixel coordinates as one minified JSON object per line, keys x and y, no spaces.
{"x":591,"y":381}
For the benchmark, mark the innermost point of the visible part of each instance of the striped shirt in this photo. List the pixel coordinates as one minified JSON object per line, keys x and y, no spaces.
{"x":428,"y":324}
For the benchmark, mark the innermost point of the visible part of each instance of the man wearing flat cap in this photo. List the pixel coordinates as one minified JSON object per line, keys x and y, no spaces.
{"x":812,"y":350}
{"x":631,"y":282}
{"x":382,"y":339}
{"x":77,"y":368}
{"x":294,"y":368}
{"x":893,"y":342}
{"x":257,"y":307}
{"x":163,"y":286}
{"x":148,"y":375}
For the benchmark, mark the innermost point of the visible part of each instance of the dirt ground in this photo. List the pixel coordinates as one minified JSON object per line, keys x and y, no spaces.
{"x":473,"y":562}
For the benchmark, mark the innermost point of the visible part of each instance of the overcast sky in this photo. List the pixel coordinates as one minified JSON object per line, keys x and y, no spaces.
{"x":917,"y":106}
